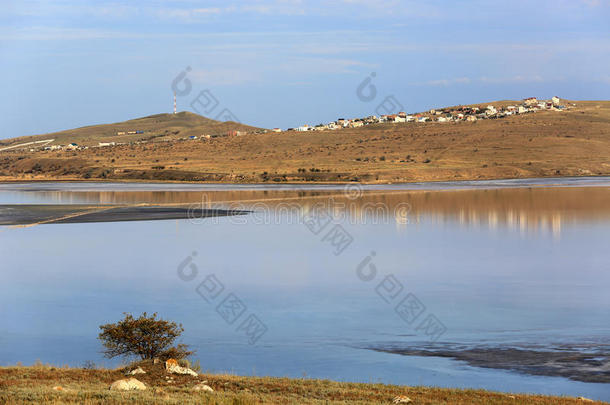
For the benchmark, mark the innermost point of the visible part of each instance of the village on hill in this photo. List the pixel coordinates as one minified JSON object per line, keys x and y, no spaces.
{"x":447,"y":114}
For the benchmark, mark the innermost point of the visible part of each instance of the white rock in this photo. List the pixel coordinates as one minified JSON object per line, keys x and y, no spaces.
{"x":175,"y":369}
{"x":127,"y":384}
{"x":203,"y":387}
{"x":401,"y":399}
{"x":138,"y":370}
{"x":583,"y":399}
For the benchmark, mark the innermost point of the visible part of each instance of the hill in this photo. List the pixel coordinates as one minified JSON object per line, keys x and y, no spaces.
{"x":546,"y":143}
{"x":160,"y":127}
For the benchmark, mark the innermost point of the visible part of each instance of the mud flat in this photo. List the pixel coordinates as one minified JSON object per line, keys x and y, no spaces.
{"x":580,"y":363}
{"x":72,"y":214}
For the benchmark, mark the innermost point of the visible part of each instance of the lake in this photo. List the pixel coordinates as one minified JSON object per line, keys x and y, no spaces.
{"x":401,"y":283}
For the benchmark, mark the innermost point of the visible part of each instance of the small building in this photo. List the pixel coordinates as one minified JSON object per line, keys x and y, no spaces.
{"x":276,"y":130}
{"x":521,"y":110}
{"x":530,"y":101}
{"x":101,"y":144}
{"x":398,"y":118}
{"x":471,"y":118}
{"x":121,"y":133}
{"x":555,"y":100}
{"x":72,"y":146}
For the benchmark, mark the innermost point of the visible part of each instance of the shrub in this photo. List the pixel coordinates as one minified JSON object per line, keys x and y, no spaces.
{"x":146,"y":337}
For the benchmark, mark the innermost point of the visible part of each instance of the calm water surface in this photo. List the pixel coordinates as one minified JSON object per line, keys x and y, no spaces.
{"x":500,"y":264}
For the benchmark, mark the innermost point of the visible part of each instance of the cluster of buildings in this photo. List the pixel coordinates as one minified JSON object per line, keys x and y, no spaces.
{"x":450,"y":114}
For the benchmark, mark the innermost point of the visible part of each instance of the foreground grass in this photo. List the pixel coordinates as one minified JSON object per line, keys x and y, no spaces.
{"x":35,"y":385}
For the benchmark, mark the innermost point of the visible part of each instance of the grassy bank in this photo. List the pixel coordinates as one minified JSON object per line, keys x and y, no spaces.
{"x":39,"y":384}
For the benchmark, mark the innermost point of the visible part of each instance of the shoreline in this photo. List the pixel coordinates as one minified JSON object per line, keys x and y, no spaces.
{"x":527,"y":182}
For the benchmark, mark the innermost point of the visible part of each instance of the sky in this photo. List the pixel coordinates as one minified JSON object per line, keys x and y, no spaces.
{"x":284,"y":63}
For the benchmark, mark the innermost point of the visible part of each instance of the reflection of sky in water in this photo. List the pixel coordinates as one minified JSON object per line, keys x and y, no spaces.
{"x":487,"y":284}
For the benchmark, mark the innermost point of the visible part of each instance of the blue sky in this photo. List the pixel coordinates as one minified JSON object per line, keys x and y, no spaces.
{"x":69,"y":63}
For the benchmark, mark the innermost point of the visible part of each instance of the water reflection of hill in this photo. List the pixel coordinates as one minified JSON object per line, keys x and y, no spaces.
{"x":524,"y":209}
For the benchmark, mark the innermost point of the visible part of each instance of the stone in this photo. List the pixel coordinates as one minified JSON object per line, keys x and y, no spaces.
{"x":138,"y":370}
{"x":402,"y":399}
{"x":61,"y":389}
{"x":203,"y":387}
{"x":170,"y":363}
{"x":583,"y":399}
{"x":127,"y":384}
{"x":176,"y":369}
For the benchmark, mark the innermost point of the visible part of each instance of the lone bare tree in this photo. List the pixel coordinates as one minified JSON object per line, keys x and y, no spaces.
{"x":146,"y":337}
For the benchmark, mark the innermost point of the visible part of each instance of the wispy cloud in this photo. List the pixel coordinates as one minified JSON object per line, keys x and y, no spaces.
{"x":448,"y":82}
{"x":225,"y":77}
{"x":515,"y":79}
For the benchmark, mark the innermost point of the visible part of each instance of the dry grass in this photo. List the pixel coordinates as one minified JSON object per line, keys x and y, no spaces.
{"x":34,"y":385}
{"x":542,"y":144}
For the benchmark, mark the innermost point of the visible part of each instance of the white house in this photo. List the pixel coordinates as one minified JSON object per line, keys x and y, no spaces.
{"x":555,"y":100}
{"x":521,"y":109}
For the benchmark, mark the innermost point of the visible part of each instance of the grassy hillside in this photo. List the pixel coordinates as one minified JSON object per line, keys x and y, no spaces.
{"x":541,"y":144}
{"x":154,"y":127}
{"x":49,"y":385}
